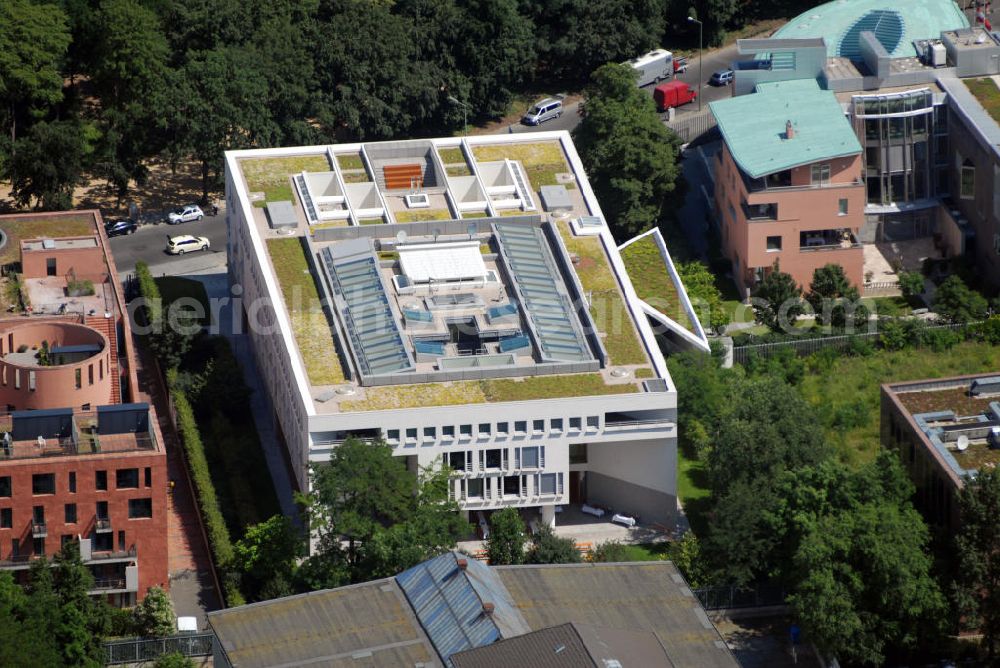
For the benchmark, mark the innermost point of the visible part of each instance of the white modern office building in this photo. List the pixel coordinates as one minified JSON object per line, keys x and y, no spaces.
{"x":464,"y":300}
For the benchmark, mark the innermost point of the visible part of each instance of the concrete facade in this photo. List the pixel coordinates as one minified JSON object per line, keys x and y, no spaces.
{"x":513,"y":453}
{"x":783,"y":223}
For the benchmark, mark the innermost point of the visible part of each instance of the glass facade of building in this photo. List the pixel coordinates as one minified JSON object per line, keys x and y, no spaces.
{"x":905,"y":140}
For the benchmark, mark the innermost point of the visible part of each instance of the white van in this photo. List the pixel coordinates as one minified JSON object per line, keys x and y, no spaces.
{"x":653,"y":67}
{"x":542,"y":111}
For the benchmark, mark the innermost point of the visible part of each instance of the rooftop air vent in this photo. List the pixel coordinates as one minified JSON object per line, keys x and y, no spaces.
{"x":48,"y":244}
{"x":789,"y":130}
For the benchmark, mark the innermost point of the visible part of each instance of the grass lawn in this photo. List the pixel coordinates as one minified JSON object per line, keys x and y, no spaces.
{"x":370,"y":221}
{"x":891,"y":306}
{"x":173,"y":288}
{"x":309,"y":323}
{"x":652,"y":280}
{"x":643,"y":372}
{"x":18,"y":229}
{"x":852,"y":384}
{"x":458,"y":170}
{"x":271,"y":175}
{"x":647,"y":551}
{"x":418,"y":215}
{"x":988,"y":95}
{"x":350,"y":161}
{"x":388,"y":397}
{"x":607,"y":306}
{"x":451,"y":156}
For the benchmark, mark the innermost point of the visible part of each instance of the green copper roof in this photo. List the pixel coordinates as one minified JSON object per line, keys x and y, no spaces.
{"x":896,"y":24}
{"x":753,"y":127}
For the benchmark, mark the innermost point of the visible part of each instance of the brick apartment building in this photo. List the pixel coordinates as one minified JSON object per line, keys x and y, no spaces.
{"x":79,"y":460}
{"x":944,"y":430}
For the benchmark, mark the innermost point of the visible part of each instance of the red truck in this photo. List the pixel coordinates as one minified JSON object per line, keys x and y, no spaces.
{"x":673,"y":94}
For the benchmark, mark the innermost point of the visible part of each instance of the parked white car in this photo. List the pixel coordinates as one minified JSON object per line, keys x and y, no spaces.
{"x":186,"y":243}
{"x":185,"y":214}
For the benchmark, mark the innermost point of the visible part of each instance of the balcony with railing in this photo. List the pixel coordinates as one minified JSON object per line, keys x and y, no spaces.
{"x":102,"y":525}
{"x":38,"y":529}
{"x":782,"y":182}
{"x":827,"y":240}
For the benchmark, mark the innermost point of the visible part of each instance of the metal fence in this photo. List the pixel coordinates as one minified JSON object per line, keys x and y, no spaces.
{"x":690,"y":127}
{"x":805,"y":347}
{"x":136,"y":650}
{"x":728,"y":598}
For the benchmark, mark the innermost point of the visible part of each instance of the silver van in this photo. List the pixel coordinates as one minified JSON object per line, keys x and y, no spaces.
{"x":544,"y":110}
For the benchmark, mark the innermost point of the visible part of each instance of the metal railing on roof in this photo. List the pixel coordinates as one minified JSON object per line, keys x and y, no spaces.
{"x":139,"y":650}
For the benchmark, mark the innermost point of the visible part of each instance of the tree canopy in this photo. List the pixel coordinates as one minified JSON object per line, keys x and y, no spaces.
{"x":630,"y":155}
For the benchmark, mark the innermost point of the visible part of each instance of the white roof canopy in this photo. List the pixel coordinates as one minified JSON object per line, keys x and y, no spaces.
{"x":451,"y":261}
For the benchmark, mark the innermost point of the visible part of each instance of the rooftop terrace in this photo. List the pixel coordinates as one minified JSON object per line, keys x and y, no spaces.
{"x":61,"y":432}
{"x":960,"y":418}
{"x":451,"y":278}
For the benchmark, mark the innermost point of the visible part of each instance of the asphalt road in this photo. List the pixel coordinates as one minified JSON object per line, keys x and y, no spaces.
{"x":714,"y":60}
{"x":148,"y":243}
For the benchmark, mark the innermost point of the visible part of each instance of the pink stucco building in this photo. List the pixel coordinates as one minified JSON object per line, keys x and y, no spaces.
{"x":788,"y":184}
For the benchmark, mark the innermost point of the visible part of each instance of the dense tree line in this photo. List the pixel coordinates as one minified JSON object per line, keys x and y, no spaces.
{"x":98,"y":87}
{"x":845,"y":543}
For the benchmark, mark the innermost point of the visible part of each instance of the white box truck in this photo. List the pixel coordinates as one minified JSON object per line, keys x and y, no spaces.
{"x":653,"y":67}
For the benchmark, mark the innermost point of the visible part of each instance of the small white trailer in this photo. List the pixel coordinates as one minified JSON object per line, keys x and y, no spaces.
{"x":653,"y":67}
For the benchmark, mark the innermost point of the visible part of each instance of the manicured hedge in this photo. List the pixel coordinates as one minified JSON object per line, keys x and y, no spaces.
{"x":148,"y":289}
{"x":215,"y":526}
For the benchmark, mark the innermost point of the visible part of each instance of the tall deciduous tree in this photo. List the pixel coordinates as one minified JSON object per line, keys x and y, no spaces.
{"x":507,"y":538}
{"x":548,"y":548}
{"x":977,"y":586}
{"x":630,"y":155}
{"x":34,"y":38}
{"x":266,"y":551}
{"x":36,"y":176}
{"x":956,"y":302}
{"x":375,"y":517}
{"x":778,"y":299}
{"x":136,"y":88}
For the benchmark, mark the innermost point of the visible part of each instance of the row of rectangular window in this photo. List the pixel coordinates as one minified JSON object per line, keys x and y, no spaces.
{"x":45,"y":483}
{"x":486,"y":429}
{"x":495,"y":459}
{"x":137,"y":509}
{"x":506,"y":487}
{"x":31,"y":377}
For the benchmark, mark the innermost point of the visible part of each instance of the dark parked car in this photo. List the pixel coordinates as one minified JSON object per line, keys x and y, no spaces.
{"x":722,"y":78}
{"x":119,"y":227}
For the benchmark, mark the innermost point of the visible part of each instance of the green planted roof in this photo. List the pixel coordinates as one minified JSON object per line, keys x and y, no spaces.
{"x":896,"y":24}
{"x":753,"y":127}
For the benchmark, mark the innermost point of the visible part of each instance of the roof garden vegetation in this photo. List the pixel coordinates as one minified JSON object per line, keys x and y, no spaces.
{"x":451,"y":156}
{"x":607,"y":306}
{"x":388,"y":397}
{"x":846,"y":392}
{"x":541,"y":160}
{"x":34,"y":227}
{"x":271,"y":176}
{"x":418,"y":215}
{"x":309,"y":323}
{"x":355,"y":177}
{"x":458,"y":170}
{"x":350,"y":161}
{"x":986,"y":91}
{"x":652,"y":281}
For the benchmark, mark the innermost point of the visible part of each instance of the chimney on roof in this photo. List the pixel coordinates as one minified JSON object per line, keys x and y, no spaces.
{"x":462,"y":564}
{"x":789,"y":130}
{"x":488,"y":609}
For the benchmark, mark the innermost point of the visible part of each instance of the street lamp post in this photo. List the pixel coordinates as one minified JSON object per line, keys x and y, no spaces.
{"x":465,"y":107}
{"x":701,"y":79}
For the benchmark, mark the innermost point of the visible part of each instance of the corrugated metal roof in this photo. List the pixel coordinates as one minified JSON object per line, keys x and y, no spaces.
{"x":570,"y":646}
{"x":640,"y":596}
{"x":371,"y":621}
{"x":840,"y":23}
{"x":448,"y":602}
{"x":753,"y":127}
